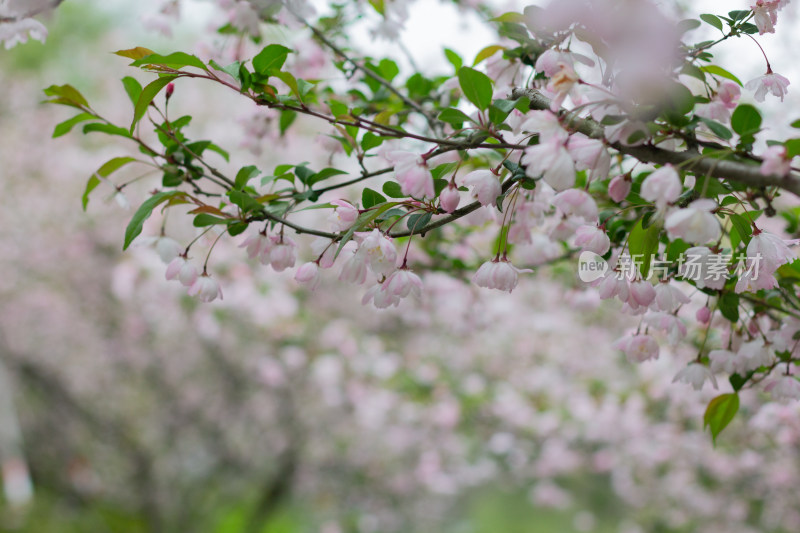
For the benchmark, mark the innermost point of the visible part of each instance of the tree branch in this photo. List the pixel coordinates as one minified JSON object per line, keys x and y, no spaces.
{"x":689,"y":160}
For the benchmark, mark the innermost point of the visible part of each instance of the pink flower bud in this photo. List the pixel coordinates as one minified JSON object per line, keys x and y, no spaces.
{"x":449,"y":199}
{"x":703,"y":315}
{"x":308,"y":274}
{"x":170,"y":90}
{"x":619,"y":187}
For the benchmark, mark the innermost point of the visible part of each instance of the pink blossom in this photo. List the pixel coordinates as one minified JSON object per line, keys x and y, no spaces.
{"x":668,"y":298}
{"x":773,"y":250}
{"x":695,"y":375}
{"x":546,"y":124}
{"x":449,"y":198}
{"x":593,"y":239}
{"x":619,"y":187}
{"x":669,"y":324}
{"x":344,"y":216}
{"x":354,"y":269}
{"x":500,"y":275}
{"x":16,"y":32}
{"x":642,"y":294}
{"x":589,"y":154}
{"x":700,"y":266}
{"x":613,"y":284}
{"x":576,"y":203}
{"x":378,"y":250}
{"x":549,"y":62}
{"x":783,"y":388}
{"x":638,"y":348}
{"x":167,"y":248}
{"x":325,"y":250}
{"x":552,"y":162}
{"x":485,"y":185}
{"x":703,"y":315}
{"x":754,"y":354}
{"x":257,"y":244}
{"x":561,"y":83}
{"x":723,"y":361}
{"x":281,"y":255}
{"x":380,"y":298}
{"x":412,"y":173}
{"x":765,"y":14}
{"x":626,"y":130}
{"x":752,"y":280}
{"x":775,"y":161}
{"x":771,"y":82}
{"x":206,"y":289}
{"x":403,"y":282}
{"x":695,"y":224}
{"x":182,"y":270}
{"x":662,"y":186}
{"x":308,"y":274}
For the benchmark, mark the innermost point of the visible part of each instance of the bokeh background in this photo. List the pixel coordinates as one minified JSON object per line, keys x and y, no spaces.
{"x":126,"y":406}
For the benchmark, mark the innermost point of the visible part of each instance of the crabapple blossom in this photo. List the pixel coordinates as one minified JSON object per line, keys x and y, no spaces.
{"x":354,"y":269}
{"x":724,"y":101}
{"x":765,"y":14}
{"x":593,"y":239}
{"x":783,"y":388}
{"x":637,"y":348}
{"x":642,"y":294}
{"x":662,"y":186}
{"x":773,"y":250}
{"x":698,"y":267}
{"x":669,"y":324}
{"x":723,"y":361}
{"x":344,"y":216}
{"x":412,"y":173}
{"x":546,"y":124}
{"x":619,"y":187}
{"x":380,"y":298}
{"x":18,"y":31}
{"x":753,"y":280}
{"x":771,"y":82}
{"x":308,"y":274}
{"x":695,"y":224}
{"x":257,"y":245}
{"x":167,"y":248}
{"x":775,"y":161}
{"x":668,"y":298}
{"x":205,"y":288}
{"x":589,"y":154}
{"x":281,"y":254}
{"x":378,"y":250}
{"x":613,"y":285}
{"x":325,"y":250}
{"x":576,"y":203}
{"x":561,"y":84}
{"x":485,"y":185}
{"x":449,"y":198}
{"x":403,"y":282}
{"x":703,"y":315}
{"x":498,"y":274}
{"x":754,"y":354}
{"x":696,"y":375}
{"x":551,"y":161}
{"x":182,"y":270}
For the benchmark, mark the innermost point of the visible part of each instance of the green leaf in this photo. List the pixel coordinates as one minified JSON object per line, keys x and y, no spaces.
{"x":743,"y":228}
{"x":273,"y":56}
{"x":370,"y":141}
{"x":388,"y":69}
{"x":792,"y":147}
{"x":719,"y":71}
{"x":287,"y":118}
{"x":476,"y":86}
{"x":370,"y":198}
{"x":739,"y":14}
{"x":712,"y":20}
{"x":303,"y":173}
{"x":454,"y":117}
{"x":204,"y":219}
{"x":487,"y":52}
{"x":66,"y":126}
{"x":107,"y":168}
{"x":244,"y":175}
{"x":392,"y":189}
{"x":454,"y":59}
{"x":643,"y":242}
{"x":174,"y":60}
{"x":688,"y":25}
{"x":133,"y":88}
{"x":66,"y":95}
{"x":135,"y":53}
{"x":729,"y":306}
{"x":324,"y":174}
{"x":719,"y":130}
{"x":148,"y":93}
{"x":720,"y":412}
{"x":418,"y":221}
{"x":143,"y":213}
{"x":245,"y":202}
{"x":746,"y":120}
{"x":109,"y":129}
